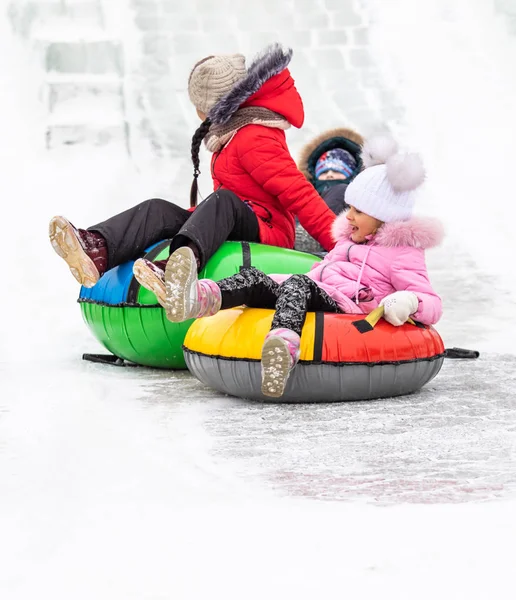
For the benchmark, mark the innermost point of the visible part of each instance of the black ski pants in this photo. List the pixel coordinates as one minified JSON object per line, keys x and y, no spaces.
{"x":292,"y":299}
{"x":221,"y":216}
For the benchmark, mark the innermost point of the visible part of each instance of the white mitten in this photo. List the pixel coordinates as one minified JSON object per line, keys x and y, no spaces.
{"x":399,"y":306}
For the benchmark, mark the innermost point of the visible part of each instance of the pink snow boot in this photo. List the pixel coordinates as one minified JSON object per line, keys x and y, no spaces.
{"x":85,"y":252}
{"x":186,"y":296}
{"x":280,"y":354}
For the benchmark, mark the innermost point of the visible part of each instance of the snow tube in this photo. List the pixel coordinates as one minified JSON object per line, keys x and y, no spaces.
{"x":127,"y":319}
{"x":337,"y":361}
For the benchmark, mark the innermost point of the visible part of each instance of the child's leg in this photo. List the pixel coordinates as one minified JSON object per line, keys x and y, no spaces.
{"x":130,"y":232}
{"x":189,"y":298}
{"x":220,"y":217}
{"x":298,"y":295}
{"x":281,"y":350}
{"x":250,"y":287}
{"x":125,"y":236}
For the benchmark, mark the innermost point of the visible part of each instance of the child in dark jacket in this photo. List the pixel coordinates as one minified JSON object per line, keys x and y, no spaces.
{"x":329,"y":162}
{"x":258,"y":189}
{"x":378,"y":260}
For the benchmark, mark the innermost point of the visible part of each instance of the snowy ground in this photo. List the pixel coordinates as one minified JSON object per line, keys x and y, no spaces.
{"x":143,"y":484}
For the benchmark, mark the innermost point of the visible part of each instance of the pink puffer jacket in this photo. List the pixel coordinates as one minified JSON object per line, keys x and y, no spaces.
{"x":359,"y":276}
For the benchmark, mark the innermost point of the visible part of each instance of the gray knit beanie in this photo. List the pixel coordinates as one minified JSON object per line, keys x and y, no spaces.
{"x":213,"y":77}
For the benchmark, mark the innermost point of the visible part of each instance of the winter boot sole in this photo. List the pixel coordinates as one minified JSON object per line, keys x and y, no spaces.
{"x":150,"y":281}
{"x":65,"y":243}
{"x":276,"y":367}
{"x":180,"y":275}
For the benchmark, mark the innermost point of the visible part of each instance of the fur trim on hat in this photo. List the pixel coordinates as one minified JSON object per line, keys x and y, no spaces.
{"x":268,"y":63}
{"x":418,"y":232}
{"x":311,"y":146}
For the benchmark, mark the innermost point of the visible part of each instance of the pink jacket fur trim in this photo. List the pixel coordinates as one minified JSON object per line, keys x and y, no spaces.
{"x":419,"y":232}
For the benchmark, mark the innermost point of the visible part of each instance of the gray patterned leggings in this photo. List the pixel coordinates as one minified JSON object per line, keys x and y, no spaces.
{"x":291,"y":299}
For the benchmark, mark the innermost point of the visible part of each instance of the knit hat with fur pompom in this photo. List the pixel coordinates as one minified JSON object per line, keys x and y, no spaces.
{"x":213,"y":77}
{"x":385,"y":189}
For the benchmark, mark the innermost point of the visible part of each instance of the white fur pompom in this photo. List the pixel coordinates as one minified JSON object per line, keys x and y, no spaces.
{"x":405,"y":172}
{"x":378,"y":149}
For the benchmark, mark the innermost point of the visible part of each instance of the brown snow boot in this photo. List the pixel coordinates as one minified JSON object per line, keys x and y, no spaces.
{"x":151,"y":275}
{"x":85,"y":252}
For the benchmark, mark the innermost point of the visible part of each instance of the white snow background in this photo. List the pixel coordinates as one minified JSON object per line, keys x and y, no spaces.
{"x":139,"y":484}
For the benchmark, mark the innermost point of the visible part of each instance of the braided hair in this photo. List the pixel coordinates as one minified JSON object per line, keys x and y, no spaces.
{"x":197,"y":139}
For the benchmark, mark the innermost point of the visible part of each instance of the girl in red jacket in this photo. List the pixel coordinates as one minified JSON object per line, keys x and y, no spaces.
{"x":258,"y":189}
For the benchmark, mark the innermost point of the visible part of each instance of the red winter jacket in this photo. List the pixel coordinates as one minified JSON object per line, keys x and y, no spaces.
{"x":257,"y":166}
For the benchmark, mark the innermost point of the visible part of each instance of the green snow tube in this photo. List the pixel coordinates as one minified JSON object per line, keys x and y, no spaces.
{"x":129,"y":322}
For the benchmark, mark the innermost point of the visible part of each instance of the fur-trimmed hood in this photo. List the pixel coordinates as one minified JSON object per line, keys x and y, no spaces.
{"x":267,"y":84}
{"x":338,"y":137}
{"x":418,"y":232}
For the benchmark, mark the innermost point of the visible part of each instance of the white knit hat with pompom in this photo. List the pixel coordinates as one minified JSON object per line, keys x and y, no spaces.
{"x":385,"y":189}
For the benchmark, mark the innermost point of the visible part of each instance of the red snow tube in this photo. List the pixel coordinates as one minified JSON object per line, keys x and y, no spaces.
{"x":340,"y":358}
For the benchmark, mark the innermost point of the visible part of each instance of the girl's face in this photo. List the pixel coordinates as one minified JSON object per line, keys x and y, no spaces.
{"x":329,"y":175}
{"x":362,"y":224}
